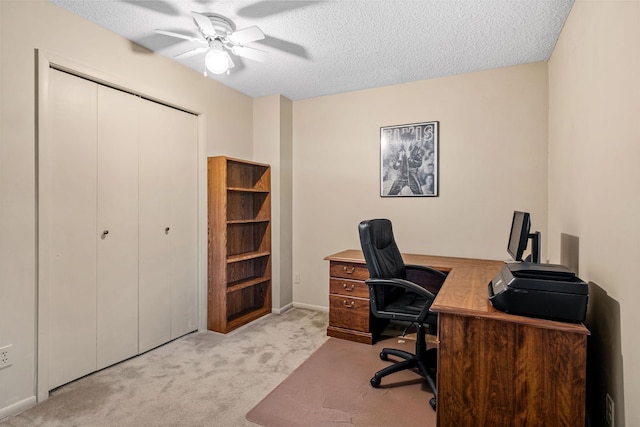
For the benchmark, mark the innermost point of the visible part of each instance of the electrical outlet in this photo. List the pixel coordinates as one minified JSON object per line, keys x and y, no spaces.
{"x":609,"y":413}
{"x":5,"y":356}
{"x":296,"y":278}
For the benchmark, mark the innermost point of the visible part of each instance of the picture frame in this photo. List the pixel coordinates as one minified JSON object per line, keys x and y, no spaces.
{"x":409,"y":160}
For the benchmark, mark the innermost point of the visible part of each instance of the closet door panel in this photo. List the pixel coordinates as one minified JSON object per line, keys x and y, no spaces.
{"x":72,"y":227}
{"x":117,"y":265}
{"x":183,"y":193}
{"x":168,"y":224}
{"x":155,"y":226}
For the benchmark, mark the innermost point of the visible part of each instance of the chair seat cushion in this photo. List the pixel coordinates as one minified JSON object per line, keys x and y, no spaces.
{"x":407,"y":303}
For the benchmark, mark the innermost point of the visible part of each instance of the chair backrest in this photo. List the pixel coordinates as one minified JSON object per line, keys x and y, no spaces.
{"x":381,"y":253}
{"x":383,"y":259}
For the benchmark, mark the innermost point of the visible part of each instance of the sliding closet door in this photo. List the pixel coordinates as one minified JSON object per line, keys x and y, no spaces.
{"x":117,"y":265}
{"x":72,"y":227}
{"x":183,"y":205}
{"x":168,"y":186}
{"x":155,"y":228}
{"x":121,"y":225}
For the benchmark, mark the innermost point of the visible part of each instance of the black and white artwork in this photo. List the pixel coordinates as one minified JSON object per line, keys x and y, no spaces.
{"x":409,"y":160}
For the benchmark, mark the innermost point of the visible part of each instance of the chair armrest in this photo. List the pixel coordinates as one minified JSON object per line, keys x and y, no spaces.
{"x":401,"y":283}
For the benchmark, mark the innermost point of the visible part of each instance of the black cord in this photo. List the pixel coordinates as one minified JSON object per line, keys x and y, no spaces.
{"x":404,"y":333}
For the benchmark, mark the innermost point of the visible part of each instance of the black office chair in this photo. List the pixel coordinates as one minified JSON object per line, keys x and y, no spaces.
{"x":395,"y":295}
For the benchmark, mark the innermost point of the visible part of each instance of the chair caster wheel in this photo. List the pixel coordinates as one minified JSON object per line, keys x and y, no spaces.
{"x":384,"y":356}
{"x":432,"y":402}
{"x":375,"y":382}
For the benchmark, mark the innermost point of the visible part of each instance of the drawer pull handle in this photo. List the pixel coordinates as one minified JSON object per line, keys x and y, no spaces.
{"x":350,"y":270}
{"x":348,"y":304}
{"x":349,"y":289}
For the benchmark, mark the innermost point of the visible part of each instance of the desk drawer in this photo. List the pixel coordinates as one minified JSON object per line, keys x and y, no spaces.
{"x":349,"y":313}
{"x":348,"y":270}
{"x":350,"y":288}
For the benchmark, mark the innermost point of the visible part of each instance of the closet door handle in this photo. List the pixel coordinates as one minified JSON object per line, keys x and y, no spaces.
{"x":166,"y":230}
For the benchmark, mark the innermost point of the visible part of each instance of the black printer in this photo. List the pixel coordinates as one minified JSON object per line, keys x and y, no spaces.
{"x":547,"y":291}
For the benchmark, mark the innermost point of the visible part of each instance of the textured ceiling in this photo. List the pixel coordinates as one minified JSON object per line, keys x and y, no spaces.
{"x":325,"y":47}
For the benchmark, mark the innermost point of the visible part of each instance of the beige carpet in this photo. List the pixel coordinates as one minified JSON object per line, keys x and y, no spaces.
{"x":332,"y":388}
{"x":202,"y":379}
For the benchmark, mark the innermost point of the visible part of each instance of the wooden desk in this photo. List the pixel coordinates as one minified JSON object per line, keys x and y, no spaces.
{"x":497,"y":369}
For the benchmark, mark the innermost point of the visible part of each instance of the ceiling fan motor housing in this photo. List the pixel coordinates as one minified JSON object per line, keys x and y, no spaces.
{"x":222,"y":25}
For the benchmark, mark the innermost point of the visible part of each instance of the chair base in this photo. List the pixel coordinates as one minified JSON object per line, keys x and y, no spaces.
{"x":424,"y":361}
{"x":410,"y":362}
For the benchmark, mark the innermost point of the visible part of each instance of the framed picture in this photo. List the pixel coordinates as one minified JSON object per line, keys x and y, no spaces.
{"x":409,"y":160}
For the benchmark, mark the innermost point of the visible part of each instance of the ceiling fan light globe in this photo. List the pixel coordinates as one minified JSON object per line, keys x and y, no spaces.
{"x":217,"y":62}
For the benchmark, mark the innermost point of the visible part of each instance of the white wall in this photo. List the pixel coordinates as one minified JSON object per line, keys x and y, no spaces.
{"x":493,"y":159}
{"x":594,"y":186}
{"x":587,"y":111}
{"x":226,"y":128}
{"x":272,"y":121}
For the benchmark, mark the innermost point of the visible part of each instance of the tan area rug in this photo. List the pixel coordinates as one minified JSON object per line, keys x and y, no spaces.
{"x":332,"y":388}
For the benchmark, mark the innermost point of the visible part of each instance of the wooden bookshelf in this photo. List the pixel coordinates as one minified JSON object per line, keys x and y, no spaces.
{"x":239,"y":204}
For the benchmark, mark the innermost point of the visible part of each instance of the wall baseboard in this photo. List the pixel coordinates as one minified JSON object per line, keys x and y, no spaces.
{"x":282,"y":310}
{"x":299,"y":305}
{"x":17,"y":407}
{"x":311,"y":307}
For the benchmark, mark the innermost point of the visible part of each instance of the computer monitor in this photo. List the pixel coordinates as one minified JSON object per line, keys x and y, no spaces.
{"x":519,"y":238}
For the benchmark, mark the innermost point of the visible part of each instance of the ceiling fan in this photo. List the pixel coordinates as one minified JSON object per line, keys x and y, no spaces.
{"x":219,"y":37}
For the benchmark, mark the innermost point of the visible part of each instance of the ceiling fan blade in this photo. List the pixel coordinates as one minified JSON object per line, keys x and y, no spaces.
{"x":204,"y":23}
{"x":246,"y":35}
{"x":192,"y":52}
{"x":164,"y":7}
{"x":250,"y":53}
{"x":285,"y":46}
{"x":180,"y":36}
{"x":264,"y":8}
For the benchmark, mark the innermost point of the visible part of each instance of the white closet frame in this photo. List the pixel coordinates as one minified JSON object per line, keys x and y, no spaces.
{"x":45,"y":61}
